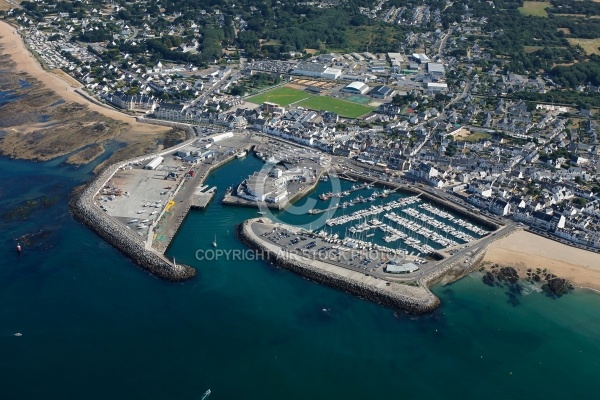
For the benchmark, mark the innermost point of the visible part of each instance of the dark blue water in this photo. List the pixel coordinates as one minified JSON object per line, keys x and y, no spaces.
{"x":95,"y":326}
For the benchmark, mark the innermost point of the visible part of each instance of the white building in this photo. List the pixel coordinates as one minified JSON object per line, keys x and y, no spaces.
{"x":154,"y":163}
{"x":221,"y":136}
{"x":356,"y":88}
{"x":310,"y":69}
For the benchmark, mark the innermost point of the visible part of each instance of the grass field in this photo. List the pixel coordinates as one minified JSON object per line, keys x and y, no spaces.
{"x":590,"y":46}
{"x":341,"y":107}
{"x":531,"y":49}
{"x":283,"y":96}
{"x":535,"y":8}
{"x":474,"y":136}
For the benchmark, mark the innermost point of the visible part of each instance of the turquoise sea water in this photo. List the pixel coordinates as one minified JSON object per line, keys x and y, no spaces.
{"x":95,"y":326}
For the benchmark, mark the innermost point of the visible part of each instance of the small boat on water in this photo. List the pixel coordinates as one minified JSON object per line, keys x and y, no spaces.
{"x":261,"y":213}
{"x":18,"y":248}
{"x":206,"y":394}
{"x":214,"y":243}
{"x":241,"y":154}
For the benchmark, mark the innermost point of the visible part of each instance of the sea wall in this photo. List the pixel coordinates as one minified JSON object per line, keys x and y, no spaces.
{"x":424,"y":303}
{"x":86,"y":211}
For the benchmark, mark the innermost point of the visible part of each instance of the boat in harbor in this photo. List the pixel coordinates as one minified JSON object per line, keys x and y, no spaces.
{"x":241,"y":154}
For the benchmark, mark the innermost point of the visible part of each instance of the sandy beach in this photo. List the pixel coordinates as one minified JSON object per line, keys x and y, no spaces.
{"x":524,"y":250}
{"x":12,"y":44}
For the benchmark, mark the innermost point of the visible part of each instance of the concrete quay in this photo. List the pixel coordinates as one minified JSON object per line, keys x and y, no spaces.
{"x":85,"y":210}
{"x":184,"y":198}
{"x":396,"y":295}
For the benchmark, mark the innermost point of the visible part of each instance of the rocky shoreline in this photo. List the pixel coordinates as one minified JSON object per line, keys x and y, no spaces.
{"x":552,"y":285}
{"x":423,"y":302}
{"x":84,"y":209}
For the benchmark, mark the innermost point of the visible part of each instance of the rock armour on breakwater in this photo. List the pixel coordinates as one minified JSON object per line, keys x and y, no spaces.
{"x":85,"y":210}
{"x":422,"y":304}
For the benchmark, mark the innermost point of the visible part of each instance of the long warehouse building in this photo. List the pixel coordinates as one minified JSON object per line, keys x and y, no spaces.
{"x":221,"y":136}
{"x":154,"y":163}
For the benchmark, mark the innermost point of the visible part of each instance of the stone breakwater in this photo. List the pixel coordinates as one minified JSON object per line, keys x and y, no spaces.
{"x":415,"y":300}
{"x":85,"y":210}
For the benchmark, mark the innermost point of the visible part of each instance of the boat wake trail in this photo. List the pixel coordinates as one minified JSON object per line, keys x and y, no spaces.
{"x":206,"y":394}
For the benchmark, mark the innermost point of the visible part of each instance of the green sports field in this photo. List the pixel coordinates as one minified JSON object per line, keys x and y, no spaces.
{"x":341,"y":107}
{"x":283,"y":96}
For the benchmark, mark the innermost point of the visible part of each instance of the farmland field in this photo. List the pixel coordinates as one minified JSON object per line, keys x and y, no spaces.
{"x":283,"y":96}
{"x":535,"y":8}
{"x":341,"y":107}
{"x":590,"y":46}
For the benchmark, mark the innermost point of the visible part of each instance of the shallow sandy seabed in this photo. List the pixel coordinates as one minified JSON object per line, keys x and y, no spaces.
{"x":12,"y":44}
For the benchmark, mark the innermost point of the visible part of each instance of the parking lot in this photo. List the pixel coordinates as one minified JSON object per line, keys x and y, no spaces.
{"x":313,"y":246}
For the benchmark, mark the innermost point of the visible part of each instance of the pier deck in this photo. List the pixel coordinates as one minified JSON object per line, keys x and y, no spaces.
{"x":201,"y":198}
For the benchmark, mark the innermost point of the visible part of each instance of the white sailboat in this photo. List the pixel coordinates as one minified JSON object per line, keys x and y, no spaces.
{"x":214,"y":243}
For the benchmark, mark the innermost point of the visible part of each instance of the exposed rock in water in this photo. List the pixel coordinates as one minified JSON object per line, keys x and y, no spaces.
{"x":508,"y":274}
{"x":488,"y":279}
{"x":556,"y":287}
{"x":40,"y":240}
{"x":503,"y":276}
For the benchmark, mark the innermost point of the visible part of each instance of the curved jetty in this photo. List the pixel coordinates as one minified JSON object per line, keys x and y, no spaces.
{"x":84,"y":209}
{"x":413,"y":299}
